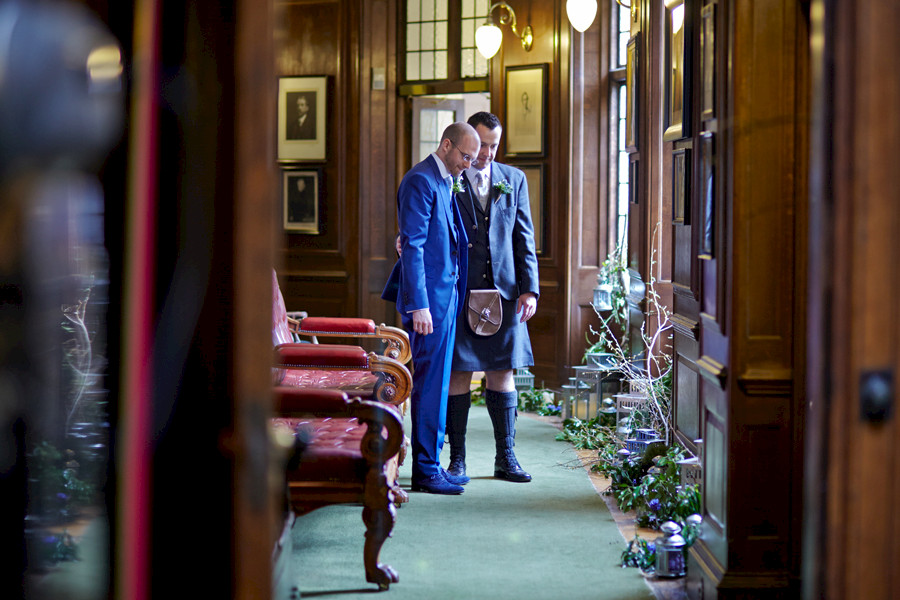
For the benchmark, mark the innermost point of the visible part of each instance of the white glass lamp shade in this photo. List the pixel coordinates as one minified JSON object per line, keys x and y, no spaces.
{"x":487,"y":40}
{"x":581,"y":13}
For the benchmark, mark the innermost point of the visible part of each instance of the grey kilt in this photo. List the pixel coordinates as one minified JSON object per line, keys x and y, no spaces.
{"x":509,"y":348}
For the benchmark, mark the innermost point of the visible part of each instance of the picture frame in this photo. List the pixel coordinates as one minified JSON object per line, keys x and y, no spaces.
{"x":302,"y":118}
{"x":707,"y":195}
{"x":632,"y":62}
{"x":678,"y":80}
{"x":534,"y":177}
{"x":708,"y":62}
{"x":526,"y":103}
{"x":681,"y":193}
{"x":300,"y":192}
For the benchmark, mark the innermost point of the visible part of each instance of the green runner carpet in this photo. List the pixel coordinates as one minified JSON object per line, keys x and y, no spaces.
{"x":551,"y":538}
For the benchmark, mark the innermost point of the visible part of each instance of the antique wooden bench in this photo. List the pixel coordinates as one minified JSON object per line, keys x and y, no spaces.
{"x":343,"y":454}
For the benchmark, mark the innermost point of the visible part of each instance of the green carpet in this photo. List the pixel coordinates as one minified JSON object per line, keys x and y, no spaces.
{"x":551,"y":538}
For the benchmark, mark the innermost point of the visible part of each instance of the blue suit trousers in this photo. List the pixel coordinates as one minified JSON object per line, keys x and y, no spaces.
{"x":432,"y":356}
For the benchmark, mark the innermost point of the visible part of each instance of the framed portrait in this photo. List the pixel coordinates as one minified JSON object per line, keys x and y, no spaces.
{"x":678,"y":83}
{"x":708,"y":62}
{"x":525,"y":109}
{"x":300,"y":200}
{"x":534,"y":176}
{"x":302,"y":118}
{"x":707,"y":195}
{"x":681,"y":177}
{"x":631,"y":92}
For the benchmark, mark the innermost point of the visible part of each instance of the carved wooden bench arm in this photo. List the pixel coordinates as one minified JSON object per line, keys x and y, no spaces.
{"x":396,"y":339}
{"x":394,"y":383}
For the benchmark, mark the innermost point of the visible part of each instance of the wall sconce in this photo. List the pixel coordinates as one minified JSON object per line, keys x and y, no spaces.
{"x":581,"y":13}
{"x":489,"y":36}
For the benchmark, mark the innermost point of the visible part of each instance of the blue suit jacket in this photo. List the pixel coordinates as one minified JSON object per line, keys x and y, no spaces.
{"x":433,"y":256}
{"x":511,"y":234}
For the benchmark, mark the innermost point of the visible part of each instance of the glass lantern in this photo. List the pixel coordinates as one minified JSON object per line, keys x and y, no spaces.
{"x":602,"y":295}
{"x":670,"y":551}
{"x":626,"y":406}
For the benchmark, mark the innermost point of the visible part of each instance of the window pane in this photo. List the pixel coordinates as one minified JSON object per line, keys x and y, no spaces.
{"x":426,"y":148}
{"x":412,"y":38}
{"x":441,"y":10}
{"x":440,"y":65}
{"x":428,"y":65}
{"x":427,"y":36}
{"x":428,"y":10}
{"x":440,"y":36}
{"x":412,"y":66}
{"x":445,"y":119}
{"x":468,"y":9}
{"x":428,"y":125}
{"x":481,"y":65}
{"x":412,"y":10}
{"x":468,"y":33}
{"x":468,"y":62}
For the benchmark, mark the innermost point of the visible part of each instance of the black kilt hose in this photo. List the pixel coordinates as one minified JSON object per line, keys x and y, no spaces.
{"x":501,"y":255}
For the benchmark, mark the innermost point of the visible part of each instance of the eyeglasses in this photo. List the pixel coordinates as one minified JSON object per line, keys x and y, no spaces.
{"x":466,"y":157}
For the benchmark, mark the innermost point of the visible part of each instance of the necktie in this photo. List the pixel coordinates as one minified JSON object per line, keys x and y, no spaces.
{"x":479,"y":189}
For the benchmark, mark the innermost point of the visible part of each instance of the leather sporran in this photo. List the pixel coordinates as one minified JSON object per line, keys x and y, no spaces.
{"x":484,"y":312}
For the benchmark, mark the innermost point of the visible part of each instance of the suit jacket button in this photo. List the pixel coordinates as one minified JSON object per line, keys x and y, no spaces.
{"x":488,"y":262}
{"x":470,"y":245}
{"x":484,"y":276}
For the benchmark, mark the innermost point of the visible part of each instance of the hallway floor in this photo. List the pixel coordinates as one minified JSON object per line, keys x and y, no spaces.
{"x":552,"y":538}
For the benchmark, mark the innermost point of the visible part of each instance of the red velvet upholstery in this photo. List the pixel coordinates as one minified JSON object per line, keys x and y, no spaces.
{"x":321,"y":356}
{"x":320,"y":325}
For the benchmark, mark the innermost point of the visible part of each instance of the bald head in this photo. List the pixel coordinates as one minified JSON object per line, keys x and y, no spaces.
{"x":459,"y":146}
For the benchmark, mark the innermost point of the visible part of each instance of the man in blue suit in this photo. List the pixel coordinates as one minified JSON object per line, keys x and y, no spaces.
{"x":428,"y":283}
{"x":496,"y":212}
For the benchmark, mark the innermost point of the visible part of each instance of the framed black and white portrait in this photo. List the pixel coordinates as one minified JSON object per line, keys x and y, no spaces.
{"x":302,"y":118}
{"x":300,"y":200}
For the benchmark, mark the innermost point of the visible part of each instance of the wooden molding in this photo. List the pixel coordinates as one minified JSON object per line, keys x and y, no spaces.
{"x":713,"y":370}
{"x":685,"y":326}
{"x":766,"y":382}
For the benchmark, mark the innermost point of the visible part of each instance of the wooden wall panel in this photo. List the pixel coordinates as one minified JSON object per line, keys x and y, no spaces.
{"x":314,"y":38}
{"x":753,"y":323}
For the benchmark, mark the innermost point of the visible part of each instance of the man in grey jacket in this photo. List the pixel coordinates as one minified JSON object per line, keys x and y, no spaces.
{"x":496,"y":213}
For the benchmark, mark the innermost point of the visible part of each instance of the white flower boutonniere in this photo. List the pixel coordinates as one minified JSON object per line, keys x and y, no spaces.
{"x":503,"y":187}
{"x":457,"y":186}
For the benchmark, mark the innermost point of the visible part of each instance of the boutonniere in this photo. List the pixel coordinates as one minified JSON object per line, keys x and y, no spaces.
{"x":457,"y":186}
{"x":503,"y":187}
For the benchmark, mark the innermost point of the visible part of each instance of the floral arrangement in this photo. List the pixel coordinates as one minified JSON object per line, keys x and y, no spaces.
{"x":457,"y":186}
{"x":503,"y":187}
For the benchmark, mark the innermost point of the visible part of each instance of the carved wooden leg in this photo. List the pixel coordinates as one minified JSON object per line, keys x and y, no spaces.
{"x":379,"y":524}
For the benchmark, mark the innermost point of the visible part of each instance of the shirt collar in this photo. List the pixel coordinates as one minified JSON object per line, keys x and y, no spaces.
{"x":445,"y":174}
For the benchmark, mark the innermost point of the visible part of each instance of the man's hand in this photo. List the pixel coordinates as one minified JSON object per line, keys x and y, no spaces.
{"x":398,"y":245}
{"x":422,"y":321}
{"x":527,"y":305}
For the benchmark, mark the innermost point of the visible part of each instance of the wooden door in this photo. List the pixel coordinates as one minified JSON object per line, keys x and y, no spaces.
{"x":852,"y":531}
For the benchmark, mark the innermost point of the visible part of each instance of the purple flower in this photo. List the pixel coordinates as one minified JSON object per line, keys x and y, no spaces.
{"x":654,"y":505}
{"x":62,"y":496}
{"x":651,"y":547}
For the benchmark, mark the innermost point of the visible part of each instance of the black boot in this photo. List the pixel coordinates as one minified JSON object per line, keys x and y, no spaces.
{"x":502,"y":409}
{"x":457,"y":419}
